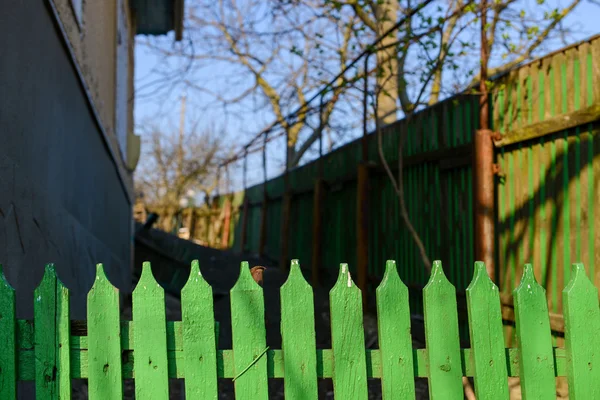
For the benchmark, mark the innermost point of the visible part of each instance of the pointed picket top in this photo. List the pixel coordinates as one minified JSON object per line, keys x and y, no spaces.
{"x":8,"y":338}
{"x":582,"y":324}
{"x":347,"y":338}
{"x":534,"y":337}
{"x":199,"y":337}
{"x":196,"y":279}
{"x":4,"y":284}
{"x":49,"y":278}
{"x":101,"y":279}
{"x":295,"y":277}
{"x":395,"y":342}
{"x":298,"y":336}
{"x":245,"y":280}
{"x":147,"y":280}
{"x":390,"y":276}
{"x":579,"y":279}
{"x":528,"y":282}
{"x":344,"y":280}
{"x":481,"y":280}
{"x":437,"y":275}
{"x":487,"y":338}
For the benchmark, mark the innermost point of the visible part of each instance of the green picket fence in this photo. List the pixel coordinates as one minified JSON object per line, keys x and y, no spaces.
{"x":151,"y":350}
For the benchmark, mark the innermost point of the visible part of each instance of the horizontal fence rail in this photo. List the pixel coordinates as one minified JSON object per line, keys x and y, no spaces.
{"x":150,"y":349}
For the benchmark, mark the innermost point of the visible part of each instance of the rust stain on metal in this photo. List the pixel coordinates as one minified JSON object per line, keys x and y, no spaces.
{"x":484,"y":171}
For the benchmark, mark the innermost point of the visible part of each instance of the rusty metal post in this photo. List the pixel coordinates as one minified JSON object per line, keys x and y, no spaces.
{"x":483,"y":166}
{"x":264,"y":209}
{"x":218,"y":181}
{"x":226,"y":223}
{"x":244,"y":234}
{"x":286,"y":209}
{"x":319,"y":187}
{"x":362,"y":205}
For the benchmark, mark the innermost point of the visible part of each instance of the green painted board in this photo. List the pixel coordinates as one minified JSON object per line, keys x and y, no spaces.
{"x":582,"y":338}
{"x":150,"y":338}
{"x":52,"y":338}
{"x":348,"y":339}
{"x":442,"y":337}
{"x":8,"y":340}
{"x":248,"y":334}
{"x":199,"y":340}
{"x":104,"y":339}
{"x":298,"y":336}
{"x":487,"y":337}
{"x":395,"y":341}
{"x":535,"y":340}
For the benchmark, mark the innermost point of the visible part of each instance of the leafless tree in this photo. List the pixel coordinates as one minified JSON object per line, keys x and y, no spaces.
{"x":274,"y":56}
{"x":174,"y":164}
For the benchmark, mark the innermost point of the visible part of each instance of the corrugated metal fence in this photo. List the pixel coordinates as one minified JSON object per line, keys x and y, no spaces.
{"x":548,"y":114}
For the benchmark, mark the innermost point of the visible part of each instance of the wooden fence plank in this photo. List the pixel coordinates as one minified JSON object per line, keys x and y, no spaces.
{"x":535,"y":340}
{"x":8,"y":340}
{"x":441,"y":336}
{"x":298,"y":336}
{"x":248,"y":333}
{"x":348,"y":339}
{"x":582,"y":324}
{"x":487,"y":338}
{"x":199,"y":341}
{"x":104,"y":339}
{"x":51,"y":338}
{"x":395,"y":341}
{"x":150,"y":338}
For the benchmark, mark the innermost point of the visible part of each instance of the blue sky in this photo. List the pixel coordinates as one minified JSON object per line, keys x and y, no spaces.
{"x":165,"y":110}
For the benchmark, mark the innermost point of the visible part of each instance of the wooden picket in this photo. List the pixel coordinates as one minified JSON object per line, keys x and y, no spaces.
{"x":150,"y":338}
{"x":535,"y":340}
{"x":104,"y":339}
{"x":395,"y":341}
{"x":249,"y":341}
{"x":487,"y":339}
{"x":582,"y":328}
{"x":8,"y":340}
{"x":347,"y":338}
{"x":199,"y":341}
{"x":441,"y":336}
{"x":51,"y":338}
{"x":298,"y":336}
{"x":151,"y":350}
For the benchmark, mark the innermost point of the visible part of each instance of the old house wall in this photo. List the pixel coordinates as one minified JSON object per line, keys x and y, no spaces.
{"x":62,"y":196}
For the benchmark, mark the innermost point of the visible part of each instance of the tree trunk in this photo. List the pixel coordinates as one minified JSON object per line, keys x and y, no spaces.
{"x":387,"y":63}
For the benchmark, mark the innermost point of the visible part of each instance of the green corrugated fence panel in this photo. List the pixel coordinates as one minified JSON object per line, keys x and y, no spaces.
{"x":104,"y":339}
{"x":535,"y":344}
{"x":150,"y":338}
{"x":199,"y":341}
{"x":298,"y":336}
{"x":348,"y":338}
{"x":8,"y":340}
{"x":582,"y":325}
{"x":51,"y":338}
{"x":248,"y":333}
